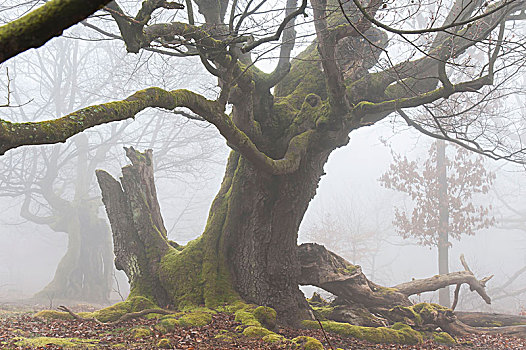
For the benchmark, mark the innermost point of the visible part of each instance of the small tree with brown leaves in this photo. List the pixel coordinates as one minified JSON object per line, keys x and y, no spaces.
{"x":442,"y":189}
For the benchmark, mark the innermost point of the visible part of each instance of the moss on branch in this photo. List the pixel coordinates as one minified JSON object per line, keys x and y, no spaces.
{"x":45,"y":22}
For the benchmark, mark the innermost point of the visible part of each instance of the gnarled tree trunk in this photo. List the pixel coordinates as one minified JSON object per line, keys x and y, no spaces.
{"x":248,"y":250}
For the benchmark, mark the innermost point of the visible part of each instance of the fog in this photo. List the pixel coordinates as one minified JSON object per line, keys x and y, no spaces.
{"x":190,"y":158}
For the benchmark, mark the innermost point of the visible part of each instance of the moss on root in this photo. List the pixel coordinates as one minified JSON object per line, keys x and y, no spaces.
{"x":399,"y":333}
{"x":132,"y":304}
{"x":444,"y":338}
{"x":53,"y":315}
{"x":308,"y":343}
{"x":256,"y":332}
{"x":66,"y":343}
{"x":164,"y":344}
{"x":246,"y":318}
{"x":141,"y":332}
{"x":322,"y":312}
{"x":195,"y":319}
{"x":266,"y":316}
{"x":109,"y":314}
{"x":273,"y":338}
{"x":418,"y":314}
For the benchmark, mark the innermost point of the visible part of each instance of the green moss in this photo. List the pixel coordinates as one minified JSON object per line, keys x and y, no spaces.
{"x":195,"y":319}
{"x":317,"y":300}
{"x":308,"y":343}
{"x":266,"y":316}
{"x":166,"y":325}
{"x":132,"y":304}
{"x":67,"y":343}
{"x":226,"y":335}
{"x":140,"y":332}
{"x":410,"y":335}
{"x":443,"y":338}
{"x":256,"y":332}
{"x":234,"y":307}
{"x":305,"y":77}
{"x":164,"y":344}
{"x":273,"y":338}
{"x":246,"y":318}
{"x":401,"y":334}
{"x":417,"y":314}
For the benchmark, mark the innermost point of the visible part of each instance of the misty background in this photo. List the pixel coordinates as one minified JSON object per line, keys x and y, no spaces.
{"x":351,"y":210}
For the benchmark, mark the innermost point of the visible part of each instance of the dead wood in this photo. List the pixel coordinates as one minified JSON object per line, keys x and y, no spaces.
{"x":440,"y":281}
{"x":356,"y":295}
{"x":487,"y":319}
{"x":139,"y":234}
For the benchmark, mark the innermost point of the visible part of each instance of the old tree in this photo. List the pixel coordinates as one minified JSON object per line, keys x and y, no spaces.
{"x":361,"y":66}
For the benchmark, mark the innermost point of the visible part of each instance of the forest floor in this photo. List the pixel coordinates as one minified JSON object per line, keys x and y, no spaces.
{"x":16,"y":326}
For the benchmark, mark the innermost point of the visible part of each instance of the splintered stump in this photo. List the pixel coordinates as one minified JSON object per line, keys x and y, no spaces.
{"x":139,"y":234}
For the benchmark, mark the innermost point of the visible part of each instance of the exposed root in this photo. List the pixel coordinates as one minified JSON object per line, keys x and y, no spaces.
{"x":125,"y":317}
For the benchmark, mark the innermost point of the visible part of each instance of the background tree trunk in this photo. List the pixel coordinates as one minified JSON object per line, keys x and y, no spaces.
{"x":443,"y":221}
{"x":84,"y":272}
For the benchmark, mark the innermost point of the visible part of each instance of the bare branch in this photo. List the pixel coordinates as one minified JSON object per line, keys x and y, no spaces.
{"x":289,"y":18}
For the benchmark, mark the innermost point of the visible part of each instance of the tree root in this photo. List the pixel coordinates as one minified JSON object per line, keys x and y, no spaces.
{"x":357,"y":296}
{"x":125,"y":317}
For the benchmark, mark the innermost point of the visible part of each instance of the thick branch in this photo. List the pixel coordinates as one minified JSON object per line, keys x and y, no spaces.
{"x":13,"y":135}
{"x":446,"y":45}
{"x":367,"y":108}
{"x":46,"y":22}
{"x":323,"y":268}
{"x":441,"y":281}
{"x":327,"y":50}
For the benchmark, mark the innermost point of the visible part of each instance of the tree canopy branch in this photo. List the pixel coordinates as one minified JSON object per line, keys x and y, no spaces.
{"x":42,"y":24}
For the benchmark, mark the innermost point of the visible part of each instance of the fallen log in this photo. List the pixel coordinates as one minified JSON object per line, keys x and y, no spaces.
{"x":486,"y":319}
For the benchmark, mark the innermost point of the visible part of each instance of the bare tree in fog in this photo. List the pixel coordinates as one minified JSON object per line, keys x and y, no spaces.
{"x":441,"y":189}
{"x":56,"y":183}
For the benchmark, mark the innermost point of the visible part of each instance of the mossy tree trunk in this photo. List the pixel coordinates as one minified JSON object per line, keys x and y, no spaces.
{"x":248,"y":248}
{"x":280,"y":141}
